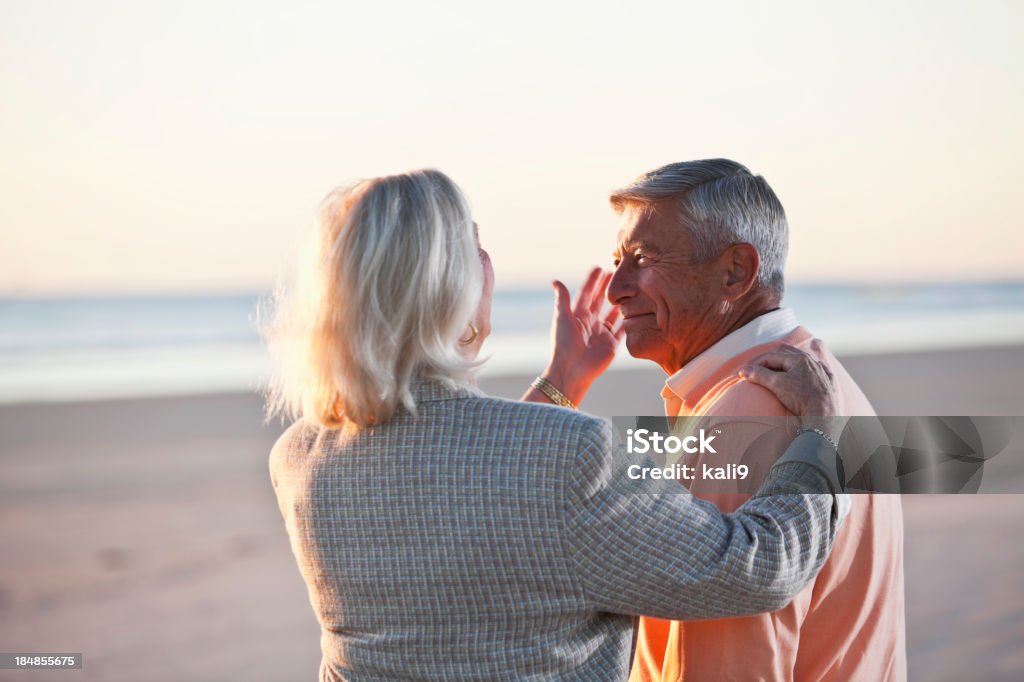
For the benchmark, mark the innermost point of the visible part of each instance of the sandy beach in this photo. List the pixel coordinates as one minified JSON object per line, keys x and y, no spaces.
{"x":145,"y":534}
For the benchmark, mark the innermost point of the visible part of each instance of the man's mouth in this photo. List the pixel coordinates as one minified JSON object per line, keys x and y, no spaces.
{"x":636,"y":318}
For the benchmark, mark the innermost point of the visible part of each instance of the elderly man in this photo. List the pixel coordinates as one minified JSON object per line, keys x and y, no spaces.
{"x":699,"y":281}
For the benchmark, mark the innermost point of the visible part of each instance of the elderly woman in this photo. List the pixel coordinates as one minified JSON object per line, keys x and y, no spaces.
{"x":444,"y":534}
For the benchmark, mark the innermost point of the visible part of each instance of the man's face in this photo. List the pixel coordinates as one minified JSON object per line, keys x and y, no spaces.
{"x":672,"y":306}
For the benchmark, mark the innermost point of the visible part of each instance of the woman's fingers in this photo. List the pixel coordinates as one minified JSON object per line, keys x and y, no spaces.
{"x":581,"y":306}
{"x":762,"y":376}
{"x":597,"y":296}
{"x":779,"y":361}
{"x":562,"y":308}
{"x":801,"y":383}
{"x":585,"y":308}
{"x":818,"y":350}
{"x":612,"y":317}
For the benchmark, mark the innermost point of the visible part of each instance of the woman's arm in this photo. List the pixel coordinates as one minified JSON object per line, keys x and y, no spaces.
{"x":649,"y":548}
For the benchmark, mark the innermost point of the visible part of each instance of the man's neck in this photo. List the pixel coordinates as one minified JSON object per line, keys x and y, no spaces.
{"x":740,"y":317}
{"x":749,"y":314}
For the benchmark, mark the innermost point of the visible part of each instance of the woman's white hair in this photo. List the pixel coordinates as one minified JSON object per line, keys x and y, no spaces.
{"x":388,"y":279}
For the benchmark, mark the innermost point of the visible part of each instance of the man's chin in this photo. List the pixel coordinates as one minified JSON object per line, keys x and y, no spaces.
{"x":641,"y":348}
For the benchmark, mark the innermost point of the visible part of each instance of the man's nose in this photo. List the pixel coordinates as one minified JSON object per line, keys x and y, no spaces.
{"x":621,"y":285}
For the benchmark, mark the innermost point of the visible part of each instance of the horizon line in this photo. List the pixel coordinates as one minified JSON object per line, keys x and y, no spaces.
{"x":519,"y":287}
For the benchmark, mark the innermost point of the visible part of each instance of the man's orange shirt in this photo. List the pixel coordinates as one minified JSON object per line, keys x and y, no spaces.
{"x":848,"y":624}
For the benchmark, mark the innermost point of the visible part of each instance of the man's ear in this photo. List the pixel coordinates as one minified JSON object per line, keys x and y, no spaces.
{"x":740,"y":263}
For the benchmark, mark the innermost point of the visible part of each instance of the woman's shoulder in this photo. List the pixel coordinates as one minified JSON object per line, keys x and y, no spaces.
{"x":296,"y":441}
{"x":522,"y":422}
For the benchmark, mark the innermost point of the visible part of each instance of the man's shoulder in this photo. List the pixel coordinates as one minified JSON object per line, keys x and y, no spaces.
{"x":735,"y":397}
{"x":852,"y":400}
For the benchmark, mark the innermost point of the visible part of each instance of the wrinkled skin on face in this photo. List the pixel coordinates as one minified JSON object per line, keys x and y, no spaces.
{"x":673,"y":305}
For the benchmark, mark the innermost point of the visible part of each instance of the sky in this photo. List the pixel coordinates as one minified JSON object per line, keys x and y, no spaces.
{"x":184,"y":147}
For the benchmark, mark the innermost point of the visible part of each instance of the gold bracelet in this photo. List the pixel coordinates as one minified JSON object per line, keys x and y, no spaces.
{"x":549,"y":389}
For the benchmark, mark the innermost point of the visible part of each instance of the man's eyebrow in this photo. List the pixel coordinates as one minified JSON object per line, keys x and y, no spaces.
{"x":634,"y":245}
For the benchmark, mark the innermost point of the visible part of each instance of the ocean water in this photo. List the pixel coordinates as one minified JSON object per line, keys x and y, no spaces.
{"x":106,"y":347}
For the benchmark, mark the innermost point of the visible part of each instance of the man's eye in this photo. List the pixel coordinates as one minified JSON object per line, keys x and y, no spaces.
{"x":616,"y":262}
{"x":640,"y":257}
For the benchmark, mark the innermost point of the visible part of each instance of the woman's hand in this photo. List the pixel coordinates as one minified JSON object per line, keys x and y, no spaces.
{"x":583,"y":338}
{"x":804,"y":385}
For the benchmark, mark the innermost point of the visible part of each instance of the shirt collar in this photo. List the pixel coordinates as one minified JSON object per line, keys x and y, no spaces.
{"x":763,"y":329}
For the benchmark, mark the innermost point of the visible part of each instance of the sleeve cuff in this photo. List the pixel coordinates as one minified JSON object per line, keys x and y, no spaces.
{"x":811,"y":449}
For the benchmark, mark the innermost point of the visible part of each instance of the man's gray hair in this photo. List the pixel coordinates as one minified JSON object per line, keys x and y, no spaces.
{"x":721,"y":203}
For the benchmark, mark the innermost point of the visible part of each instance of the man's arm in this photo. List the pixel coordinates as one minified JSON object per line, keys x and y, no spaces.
{"x":650,"y":548}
